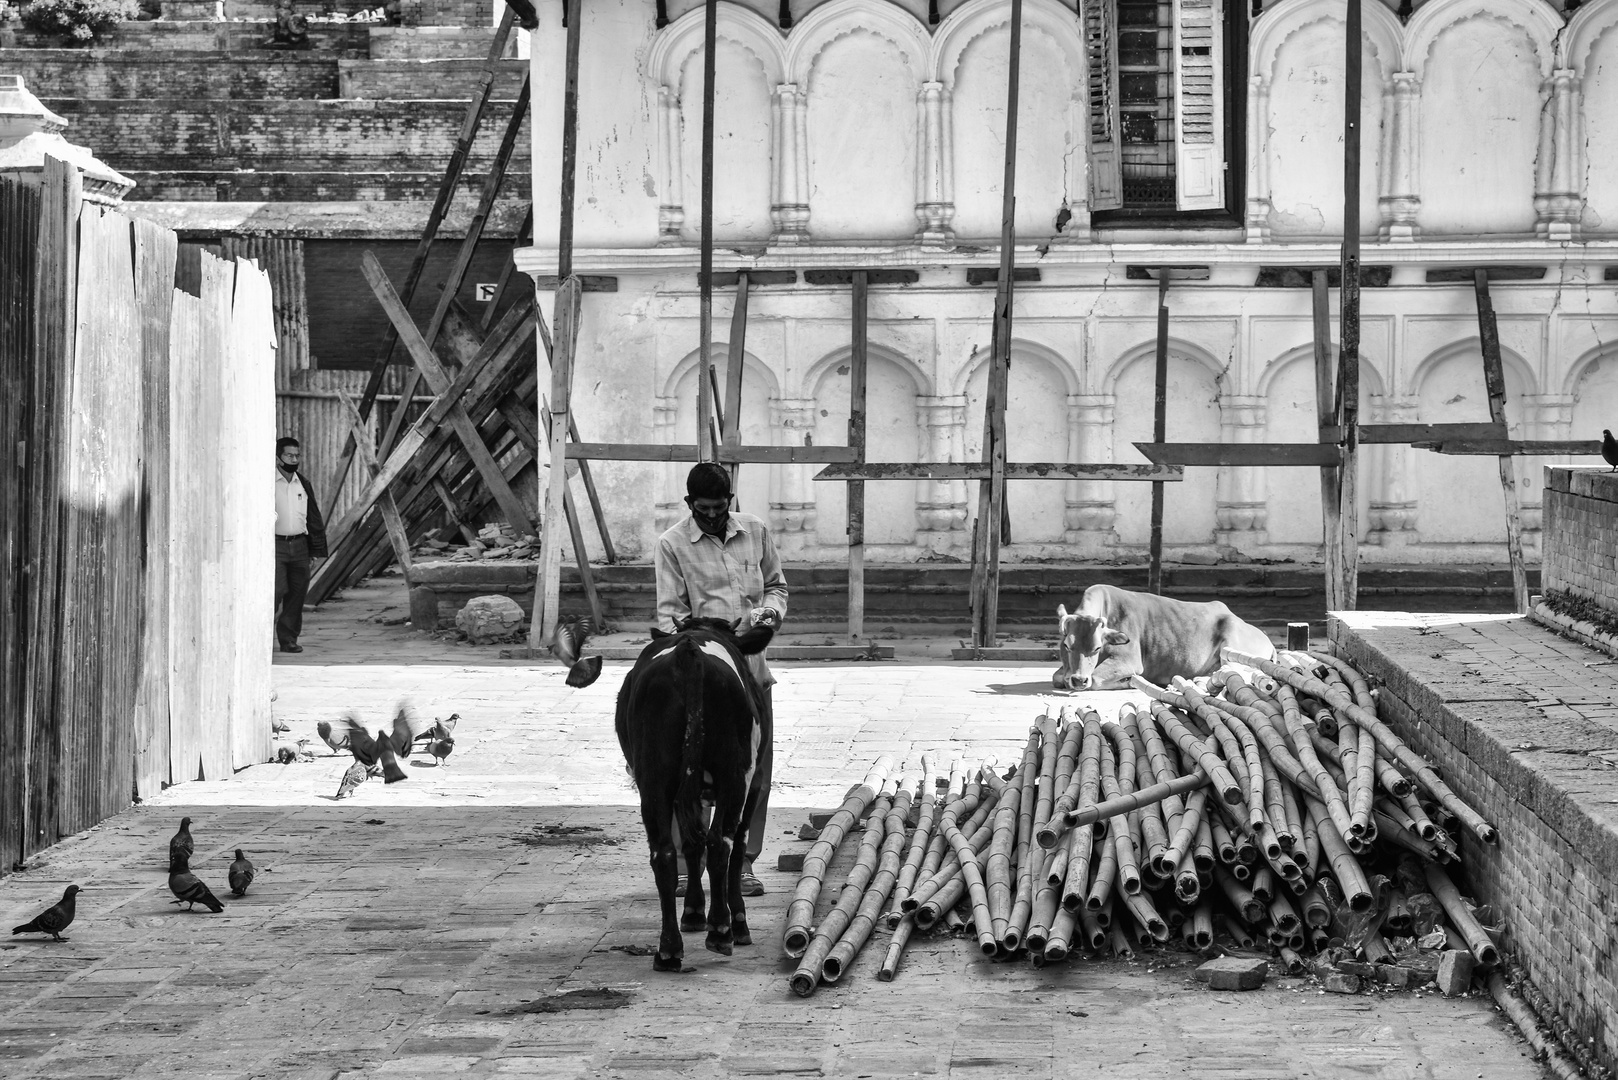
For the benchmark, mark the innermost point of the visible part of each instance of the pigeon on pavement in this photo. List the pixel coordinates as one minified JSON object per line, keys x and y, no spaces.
{"x":189,"y":889}
{"x":181,"y":845}
{"x":357,"y":774}
{"x":1609,"y":449}
{"x":53,"y":920}
{"x":337,"y":745}
{"x":241,"y":874}
{"x":441,"y":749}
{"x":386,"y":747}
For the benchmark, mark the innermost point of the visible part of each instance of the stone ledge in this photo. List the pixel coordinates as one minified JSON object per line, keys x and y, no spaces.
{"x":1580,"y":630}
{"x":1599,"y":484}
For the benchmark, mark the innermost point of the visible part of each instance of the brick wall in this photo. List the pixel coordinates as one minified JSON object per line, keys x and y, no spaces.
{"x":292,"y":135}
{"x":228,"y":185}
{"x":427,"y":79}
{"x":1581,"y":535}
{"x":1554,"y":874}
{"x":104,"y":73}
{"x":434,"y":42}
{"x":344,"y":39}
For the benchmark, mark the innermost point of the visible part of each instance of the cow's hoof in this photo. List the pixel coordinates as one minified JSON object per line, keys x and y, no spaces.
{"x":719,"y":943}
{"x":666,"y":963}
{"x":740,"y":934}
{"x":692,"y":921}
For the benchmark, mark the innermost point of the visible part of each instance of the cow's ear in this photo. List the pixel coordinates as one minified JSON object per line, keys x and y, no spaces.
{"x":736,"y":624}
{"x":658,"y":632}
{"x":1061,"y":611}
{"x":1117,"y":637}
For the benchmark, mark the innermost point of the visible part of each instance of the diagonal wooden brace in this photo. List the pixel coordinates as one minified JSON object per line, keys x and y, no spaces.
{"x":391,"y":519}
{"x":516,"y":513}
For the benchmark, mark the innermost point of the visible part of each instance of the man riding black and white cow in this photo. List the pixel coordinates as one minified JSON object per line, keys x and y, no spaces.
{"x":1115,"y":633}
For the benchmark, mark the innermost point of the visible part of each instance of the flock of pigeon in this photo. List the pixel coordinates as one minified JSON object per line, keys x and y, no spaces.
{"x":380,"y":752}
{"x":187,"y":888}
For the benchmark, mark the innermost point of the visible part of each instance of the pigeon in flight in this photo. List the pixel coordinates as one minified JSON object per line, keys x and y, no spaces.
{"x":241,"y":874}
{"x":189,"y":889}
{"x":1609,"y":449}
{"x":53,"y":920}
{"x":571,"y":634}
{"x":337,"y":745}
{"x":383,"y":749}
{"x":181,"y":846}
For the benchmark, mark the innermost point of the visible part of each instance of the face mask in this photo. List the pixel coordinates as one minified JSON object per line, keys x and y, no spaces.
{"x":711,"y":520}
{"x":290,"y":470}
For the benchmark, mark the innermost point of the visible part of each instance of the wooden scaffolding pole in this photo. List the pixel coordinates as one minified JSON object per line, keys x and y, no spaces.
{"x":992,"y":496}
{"x":859,"y":357}
{"x":1348,"y":363}
{"x":705,"y":375}
{"x":1154,"y":572}
{"x":1326,"y":412}
{"x":1494,"y":379}
{"x":548,"y":593}
{"x":730,"y":417}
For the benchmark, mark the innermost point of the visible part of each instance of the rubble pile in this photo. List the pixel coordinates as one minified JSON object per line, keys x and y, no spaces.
{"x":494,"y":541}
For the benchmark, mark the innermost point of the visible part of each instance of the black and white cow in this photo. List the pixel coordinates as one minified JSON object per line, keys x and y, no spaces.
{"x":1116,"y":633}
{"x":689,"y":725}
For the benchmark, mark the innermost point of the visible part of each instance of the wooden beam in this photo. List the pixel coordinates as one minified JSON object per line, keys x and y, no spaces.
{"x":858,"y":358}
{"x":1238,"y":454}
{"x":1348,"y":359}
{"x":1326,"y":414}
{"x":710,"y":44}
{"x":574,"y":531}
{"x":453,"y":508}
{"x":979,"y":470}
{"x":761,"y":455}
{"x":736,"y":355}
{"x":397,"y":536}
{"x":1494,"y":380}
{"x":516,"y":513}
{"x":1413,"y":433}
{"x":1160,"y":384}
{"x":585,"y":474}
{"x":1516,"y":447}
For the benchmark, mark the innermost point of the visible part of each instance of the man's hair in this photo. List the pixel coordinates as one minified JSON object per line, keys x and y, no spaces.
{"x":707,"y":480}
{"x":283,"y":442}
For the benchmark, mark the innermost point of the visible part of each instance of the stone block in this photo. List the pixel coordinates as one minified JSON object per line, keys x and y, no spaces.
{"x":487,"y":619}
{"x":1233,"y":973}
{"x":808,"y":831}
{"x":423,"y":608}
{"x":790,"y":861}
{"x":1455,"y":972}
{"x":1340,"y":982}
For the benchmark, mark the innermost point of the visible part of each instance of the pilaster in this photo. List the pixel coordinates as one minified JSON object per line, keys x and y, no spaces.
{"x":789,"y":199}
{"x":941,"y":505}
{"x":935,"y":167}
{"x":1241,"y":517}
{"x":1392,"y":508}
{"x":1257,"y":219}
{"x":794,"y":510}
{"x":1558,"y":194}
{"x":671,"y":207}
{"x":1400,"y":201}
{"x":1092,"y":511}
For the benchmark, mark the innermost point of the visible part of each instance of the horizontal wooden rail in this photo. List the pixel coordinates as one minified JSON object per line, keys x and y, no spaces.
{"x":1515,"y":447}
{"x":1414,"y":433}
{"x":979,"y":470}
{"x":728,"y":455}
{"x":1284,"y":454}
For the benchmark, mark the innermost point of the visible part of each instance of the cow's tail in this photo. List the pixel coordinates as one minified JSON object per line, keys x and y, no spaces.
{"x":689,"y":668}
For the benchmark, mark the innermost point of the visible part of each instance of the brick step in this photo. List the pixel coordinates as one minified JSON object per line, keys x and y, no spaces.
{"x":335,"y":136}
{"x":204,"y":36}
{"x":159,"y":73}
{"x":232,"y":185}
{"x":434,"y":43}
{"x":400,"y":80}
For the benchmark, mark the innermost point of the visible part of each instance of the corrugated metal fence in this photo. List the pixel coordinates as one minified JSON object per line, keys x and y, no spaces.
{"x":136,"y":555}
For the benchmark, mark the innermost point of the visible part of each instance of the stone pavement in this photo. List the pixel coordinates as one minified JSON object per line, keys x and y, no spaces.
{"x":437,"y":927}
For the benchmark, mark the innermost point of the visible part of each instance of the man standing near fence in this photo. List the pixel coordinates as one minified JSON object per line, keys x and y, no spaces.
{"x":723,"y":565}
{"x":300,"y":535}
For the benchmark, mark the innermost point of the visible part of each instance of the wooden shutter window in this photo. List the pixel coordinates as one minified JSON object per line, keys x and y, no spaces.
{"x":1101,"y":46}
{"x":1199,"y":105}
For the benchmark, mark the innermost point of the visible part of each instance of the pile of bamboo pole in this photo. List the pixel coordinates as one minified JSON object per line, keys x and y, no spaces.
{"x":1270,"y":806}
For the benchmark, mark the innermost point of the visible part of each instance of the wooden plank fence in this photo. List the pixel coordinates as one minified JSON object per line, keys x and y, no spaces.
{"x":136,"y":552}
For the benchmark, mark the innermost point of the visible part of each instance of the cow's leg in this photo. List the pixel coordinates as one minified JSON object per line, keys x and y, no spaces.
{"x":693,"y":837}
{"x":656,"y":814}
{"x":725,"y":863}
{"x":739,"y":931}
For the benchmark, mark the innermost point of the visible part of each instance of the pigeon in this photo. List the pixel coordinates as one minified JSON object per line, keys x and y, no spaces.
{"x":570,"y":637}
{"x":441,"y":748}
{"x":386,"y":747}
{"x":53,"y":920}
{"x":280,"y":727}
{"x":357,"y":774}
{"x":1609,"y":449}
{"x":189,"y":889}
{"x":241,"y":874}
{"x":181,"y":846}
{"x":441,"y":730}
{"x":337,"y":745}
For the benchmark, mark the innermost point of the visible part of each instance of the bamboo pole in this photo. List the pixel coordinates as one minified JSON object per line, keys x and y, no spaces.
{"x":923,"y":832}
{"x":1037,"y":751}
{"x":1348,"y":365}
{"x":881,"y":884}
{"x":706,"y":451}
{"x":1160,"y":381}
{"x":983,"y":922}
{"x":1477,"y":939}
{"x":810,"y":968}
{"x":801,"y":912}
{"x":858,"y":360}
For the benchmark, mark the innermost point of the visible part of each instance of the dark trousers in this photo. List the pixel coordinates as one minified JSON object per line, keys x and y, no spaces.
{"x":291,"y":587}
{"x":761,"y":780}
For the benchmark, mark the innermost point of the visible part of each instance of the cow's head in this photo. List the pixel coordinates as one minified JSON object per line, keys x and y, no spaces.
{"x":752,"y":640}
{"x":1081,"y":639}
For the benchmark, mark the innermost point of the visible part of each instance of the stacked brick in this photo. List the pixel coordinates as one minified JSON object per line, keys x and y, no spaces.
{"x":1581,"y":536}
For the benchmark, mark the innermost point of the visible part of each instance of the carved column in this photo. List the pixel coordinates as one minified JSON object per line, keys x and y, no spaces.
{"x":935,"y":205}
{"x":1401,"y":200}
{"x":789,"y":201}
{"x":671,"y":209}
{"x":941,"y":507}
{"x":794,"y":512}
{"x":1091,"y":504}
{"x":671,"y":491}
{"x":1558,"y":190}
{"x":1392,"y":509}
{"x":1240,"y":515}
{"x":1258,"y":161}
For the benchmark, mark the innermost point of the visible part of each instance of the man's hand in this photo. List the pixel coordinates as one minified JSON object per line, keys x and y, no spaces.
{"x":766,"y":617}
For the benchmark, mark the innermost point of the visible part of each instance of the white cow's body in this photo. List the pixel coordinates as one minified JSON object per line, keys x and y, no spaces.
{"x":1116,"y":633}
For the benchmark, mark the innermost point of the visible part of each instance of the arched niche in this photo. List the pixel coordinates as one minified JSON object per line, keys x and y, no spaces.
{"x":1036,"y":430}
{"x":970,"y":56}
{"x":862,"y":63}
{"x":1593,"y":385}
{"x":1592,"y":52}
{"x":1195,"y":380}
{"x":1298,"y":48}
{"x":1292,"y":496}
{"x":1458,"y":499}
{"x":755,"y":490}
{"x":893,"y":432}
{"x":1481,"y":66}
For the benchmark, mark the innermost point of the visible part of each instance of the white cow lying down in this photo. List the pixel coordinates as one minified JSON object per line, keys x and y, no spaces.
{"x":1116,"y":633}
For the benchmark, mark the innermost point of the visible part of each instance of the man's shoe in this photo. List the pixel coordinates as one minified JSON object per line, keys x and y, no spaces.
{"x":294,"y":647}
{"x":679,"y":886}
{"x":751,"y":885}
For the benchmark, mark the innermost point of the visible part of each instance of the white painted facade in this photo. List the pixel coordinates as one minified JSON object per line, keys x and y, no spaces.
{"x":863,"y":136}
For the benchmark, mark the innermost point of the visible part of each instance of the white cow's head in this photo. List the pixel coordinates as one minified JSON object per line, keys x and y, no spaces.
{"x":1081,"y":639}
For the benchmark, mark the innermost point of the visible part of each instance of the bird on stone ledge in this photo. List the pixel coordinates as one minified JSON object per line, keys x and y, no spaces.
{"x":1609,"y":449}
